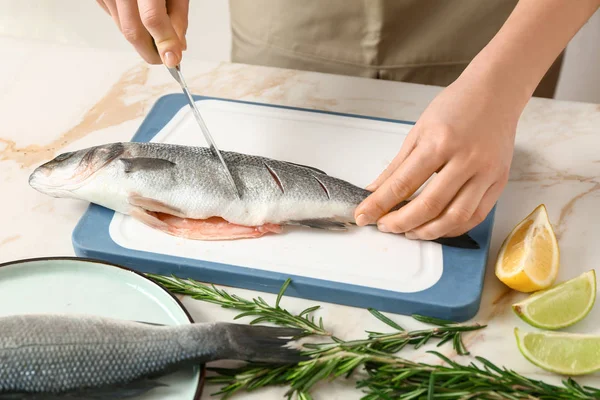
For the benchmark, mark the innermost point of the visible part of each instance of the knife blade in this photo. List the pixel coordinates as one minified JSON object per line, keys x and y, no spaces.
{"x":176,"y":72}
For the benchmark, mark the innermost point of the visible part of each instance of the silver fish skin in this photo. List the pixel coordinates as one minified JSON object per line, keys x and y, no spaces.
{"x":189,"y":182}
{"x":51,"y":356}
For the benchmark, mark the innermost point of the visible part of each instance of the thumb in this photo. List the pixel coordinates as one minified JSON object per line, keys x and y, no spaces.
{"x":405,"y":150}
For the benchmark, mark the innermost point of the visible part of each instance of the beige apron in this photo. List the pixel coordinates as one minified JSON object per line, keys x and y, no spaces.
{"x":419,"y":41}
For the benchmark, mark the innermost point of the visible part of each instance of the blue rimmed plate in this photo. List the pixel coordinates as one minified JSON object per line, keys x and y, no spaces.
{"x":85,"y":286}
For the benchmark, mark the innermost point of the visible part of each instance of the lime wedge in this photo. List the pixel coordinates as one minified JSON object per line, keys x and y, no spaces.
{"x":560,"y":306}
{"x":560,"y":352}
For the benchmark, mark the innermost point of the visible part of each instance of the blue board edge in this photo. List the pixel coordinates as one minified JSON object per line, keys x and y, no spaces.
{"x":456,"y":296}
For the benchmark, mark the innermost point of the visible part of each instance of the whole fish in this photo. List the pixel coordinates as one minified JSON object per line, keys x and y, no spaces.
{"x":183,"y":191}
{"x":47,"y":356}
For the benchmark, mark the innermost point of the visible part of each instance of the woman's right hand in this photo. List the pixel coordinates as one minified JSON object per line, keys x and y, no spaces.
{"x":145,"y":23}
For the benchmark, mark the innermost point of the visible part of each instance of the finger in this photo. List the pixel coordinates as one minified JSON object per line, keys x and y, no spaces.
{"x":405,"y":150}
{"x":413,"y":172}
{"x":458,"y":212}
{"x":154,"y":17}
{"x":135,"y":32}
{"x":111,"y":7}
{"x":430,"y":203}
{"x":178,"y":11}
{"x":101,"y":4}
{"x":485,"y":206}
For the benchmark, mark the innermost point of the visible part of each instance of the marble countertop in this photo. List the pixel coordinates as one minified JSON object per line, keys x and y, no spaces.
{"x":55,"y":98}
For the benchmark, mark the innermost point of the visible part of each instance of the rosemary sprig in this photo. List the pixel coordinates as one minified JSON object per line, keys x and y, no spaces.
{"x":391,"y":343}
{"x":257,"y":307}
{"x":329,"y":360}
{"x":391,"y":377}
{"x":387,"y":375}
{"x":339,"y":358}
{"x":394,"y":342}
{"x":410,"y":380}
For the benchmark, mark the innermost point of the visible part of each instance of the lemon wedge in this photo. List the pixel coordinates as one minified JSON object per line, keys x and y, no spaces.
{"x":559,"y":352}
{"x":560,"y":306}
{"x":529,"y":256}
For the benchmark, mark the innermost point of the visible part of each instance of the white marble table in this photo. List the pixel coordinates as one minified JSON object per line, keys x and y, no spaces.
{"x":55,"y":98}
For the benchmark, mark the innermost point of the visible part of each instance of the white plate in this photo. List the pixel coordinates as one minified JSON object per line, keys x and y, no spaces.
{"x":76,"y":285}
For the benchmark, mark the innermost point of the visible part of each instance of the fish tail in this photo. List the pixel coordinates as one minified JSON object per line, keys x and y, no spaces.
{"x":262,"y":344}
{"x":463,"y":241}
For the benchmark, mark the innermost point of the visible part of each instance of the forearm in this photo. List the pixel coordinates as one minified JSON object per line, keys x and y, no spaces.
{"x":534,"y":35}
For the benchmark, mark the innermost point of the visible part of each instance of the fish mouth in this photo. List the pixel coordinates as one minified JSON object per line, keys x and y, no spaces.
{"x":43,"y":185}
{"x":42,"y":180}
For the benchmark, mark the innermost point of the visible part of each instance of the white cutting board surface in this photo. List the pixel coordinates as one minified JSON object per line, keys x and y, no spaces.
{"x":349,"y":148}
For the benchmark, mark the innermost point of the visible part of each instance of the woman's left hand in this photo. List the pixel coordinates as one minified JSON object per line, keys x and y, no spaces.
{"x":466,"y":135}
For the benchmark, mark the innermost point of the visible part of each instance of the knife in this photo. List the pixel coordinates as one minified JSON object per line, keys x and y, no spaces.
{"x":176,"y":72}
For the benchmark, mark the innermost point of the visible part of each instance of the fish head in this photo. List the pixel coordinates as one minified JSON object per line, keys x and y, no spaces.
{"x":69,"y":171}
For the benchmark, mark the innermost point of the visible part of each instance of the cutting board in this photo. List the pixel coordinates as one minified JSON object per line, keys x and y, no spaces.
{"x":361,"y":267}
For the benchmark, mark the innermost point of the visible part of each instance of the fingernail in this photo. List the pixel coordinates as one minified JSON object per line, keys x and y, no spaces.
{"x":410,"y":235}
{"x":382,"y":228}
{"x":362,"y":220}
{"x":170,"y":59}
{"x":371,"y":187}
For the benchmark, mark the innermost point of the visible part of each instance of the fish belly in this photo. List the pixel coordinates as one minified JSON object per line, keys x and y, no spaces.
{"x":243,"y":221}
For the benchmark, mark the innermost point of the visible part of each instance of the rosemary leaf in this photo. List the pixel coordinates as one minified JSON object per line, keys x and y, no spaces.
{"x":281,"y":291}
{"x":431,"y":389}
{"x":257,"y":307}
{"x":432,"y":320}
{"x":385,"y":319}
{"x":309,"y":310}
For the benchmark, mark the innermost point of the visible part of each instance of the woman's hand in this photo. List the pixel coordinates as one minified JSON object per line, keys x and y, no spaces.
{"x":466,"y":135}
{"x":467,"y":132}
{"x":145,"y":23}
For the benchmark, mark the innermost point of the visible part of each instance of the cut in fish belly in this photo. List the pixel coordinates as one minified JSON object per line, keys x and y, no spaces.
{"x":214,"y":228}
{"x":167,"y":219}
